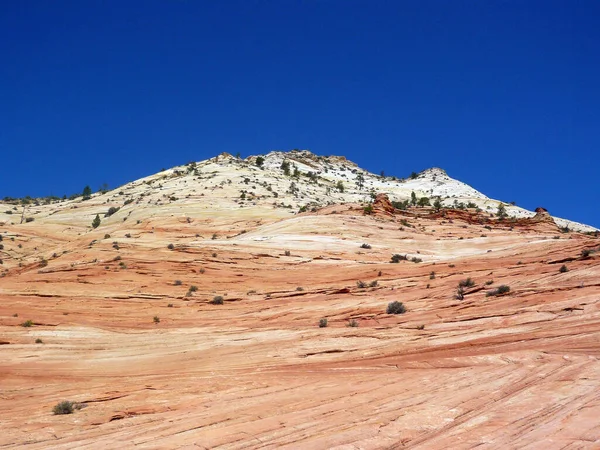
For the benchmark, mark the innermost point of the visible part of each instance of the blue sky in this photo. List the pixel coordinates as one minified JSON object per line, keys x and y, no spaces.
{"x":504,"y":95}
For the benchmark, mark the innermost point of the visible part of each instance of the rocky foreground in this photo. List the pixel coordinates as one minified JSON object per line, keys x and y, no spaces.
{"x":204,"y":311}
{"x":202,"y":330}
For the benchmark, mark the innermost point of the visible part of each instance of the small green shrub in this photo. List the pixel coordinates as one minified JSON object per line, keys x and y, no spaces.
{"x":27,"y":324}
{"x":397,"y":258}
{"x":353,"y":323}
{"x":177,"y":283}
{"x":366,"y":246}
{"x":395,"y":308}
{"x":217,"y":300}
{"x":563,"y":269}
{"x":193,"y":288}
{"x":64,"y":407}
{"x":373,"y":283}
{"x":323,"y":323}
{"x":432,"y":275}
{"x":287,"y":253}
{"x":39,"y":341}
{"x":156,"y":319}
{"x":503,"y":289}
{"x":361,"y":284}
{"x":466,"y":283}
{"x":111,"y":211}
{"x":170,"y":246}
{"x":96,"y":221}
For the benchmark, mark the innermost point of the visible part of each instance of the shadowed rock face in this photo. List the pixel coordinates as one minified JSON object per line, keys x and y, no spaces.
{"x":498,"y":371}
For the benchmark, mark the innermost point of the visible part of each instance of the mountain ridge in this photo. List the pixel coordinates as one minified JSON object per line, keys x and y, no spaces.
{"x":315,"y":185}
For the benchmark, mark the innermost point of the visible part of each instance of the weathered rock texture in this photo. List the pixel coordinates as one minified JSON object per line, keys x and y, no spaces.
{"x":518,"y":370}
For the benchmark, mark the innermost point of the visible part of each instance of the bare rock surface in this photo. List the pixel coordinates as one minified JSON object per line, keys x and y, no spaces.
{"x":131,"y":333}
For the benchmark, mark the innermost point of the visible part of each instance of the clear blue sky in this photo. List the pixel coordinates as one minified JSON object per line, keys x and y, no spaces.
{"x":504,"y":95}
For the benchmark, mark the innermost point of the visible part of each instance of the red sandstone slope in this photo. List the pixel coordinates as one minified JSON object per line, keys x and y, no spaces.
{"x":517,"y":370}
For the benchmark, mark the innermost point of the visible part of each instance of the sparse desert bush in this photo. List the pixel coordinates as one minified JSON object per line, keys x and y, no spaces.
{"x":170,"y":246}
{"x":177,"y":283}
{"x":373,"y":283}
{"x":64,"y":407}
{"x":353,"y":323}
{"x":586,"y":252}
{"x":156,"y":319}
{"x":502,"y":289}
{"x":397,"y":258}
{"x":323,"y":323}
{"x":488,"y":282}
{"x":460,"y":293}
{"x":170,"y":305}
{"x":416,"y":260}
{"x":432,"y":275}
{"x":395,"y":307}
{"x":193,"y":288}
{"x":288,"y":253}
{"x":39,"y":341}
{"x":202,"y":270}
{"x":217,"y":300}
{"x":361,"y":284}
{"x":563,"y":269}
{"x":367,"y":246}
{"x":27,"y":324}
{"x":466,"y":283}
{"x":111,"y":211}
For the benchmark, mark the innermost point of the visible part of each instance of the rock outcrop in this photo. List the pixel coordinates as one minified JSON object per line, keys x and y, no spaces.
{"x":383,"y":205}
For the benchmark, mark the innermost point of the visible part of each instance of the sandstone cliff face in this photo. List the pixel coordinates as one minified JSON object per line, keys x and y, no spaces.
{"x":516,"y":370}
